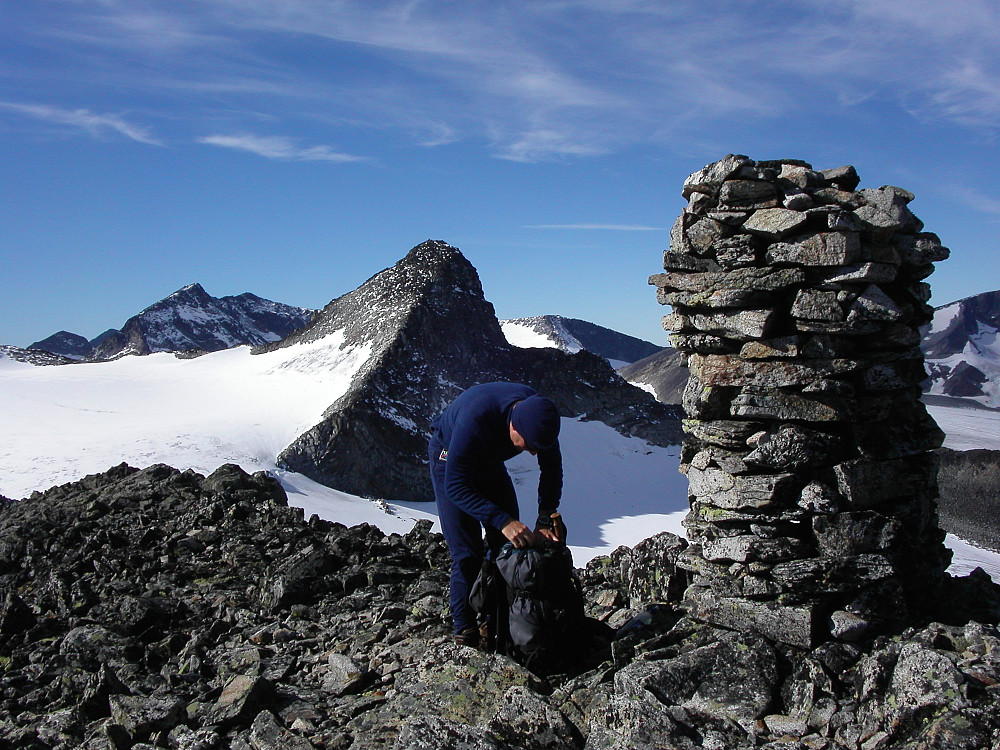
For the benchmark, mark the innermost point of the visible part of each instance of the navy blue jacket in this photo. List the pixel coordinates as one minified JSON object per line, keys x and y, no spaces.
{"x":474,"y":430}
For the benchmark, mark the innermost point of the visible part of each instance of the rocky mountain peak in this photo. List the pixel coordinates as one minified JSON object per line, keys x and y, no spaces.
{"x":431,"y":333}
{"x":66,"y":344}
{"x":433,"y":279}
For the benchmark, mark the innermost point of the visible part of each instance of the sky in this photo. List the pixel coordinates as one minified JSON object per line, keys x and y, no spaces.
{"x":294,"y":148}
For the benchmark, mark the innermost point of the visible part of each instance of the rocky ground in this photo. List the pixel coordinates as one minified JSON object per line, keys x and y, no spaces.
{"x":159,"y":608}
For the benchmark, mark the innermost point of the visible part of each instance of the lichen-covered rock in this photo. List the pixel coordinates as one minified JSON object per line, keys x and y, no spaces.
{"x":363,"y":659}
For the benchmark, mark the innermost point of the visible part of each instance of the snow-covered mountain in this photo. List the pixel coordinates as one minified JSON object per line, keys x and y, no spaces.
{"x":962,"y":350}
{"x":430,"y":333}
{"x":571,"y":335}
{"x":188,"y":320}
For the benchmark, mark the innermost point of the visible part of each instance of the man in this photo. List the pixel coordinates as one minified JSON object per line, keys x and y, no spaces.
{"x":470,"y":440}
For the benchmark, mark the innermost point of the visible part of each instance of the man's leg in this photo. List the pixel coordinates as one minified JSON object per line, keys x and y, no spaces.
{"x":463,"y":535}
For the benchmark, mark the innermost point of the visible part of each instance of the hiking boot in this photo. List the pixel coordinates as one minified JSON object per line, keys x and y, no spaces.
{"x":468,"y":637}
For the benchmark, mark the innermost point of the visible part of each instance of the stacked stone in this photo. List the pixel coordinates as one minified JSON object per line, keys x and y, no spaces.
{"x":797,"y":299}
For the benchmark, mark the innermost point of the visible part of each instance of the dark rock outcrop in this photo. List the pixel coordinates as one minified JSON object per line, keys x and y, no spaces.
{"x":164,"y":609}
{"x":66,"y":344}
{"x":969,"y":482}
{"x":665,"y":372}
{"x":431,"y":333}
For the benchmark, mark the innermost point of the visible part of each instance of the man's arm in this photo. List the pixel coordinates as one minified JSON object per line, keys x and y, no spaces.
{"x":550,"y":523}
{"x":550,"y":479}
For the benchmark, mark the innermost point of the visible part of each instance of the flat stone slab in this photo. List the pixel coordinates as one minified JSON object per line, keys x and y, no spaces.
{"x":799,"y":625}
{"x":775,"y":223}
{"x":820,"y":249}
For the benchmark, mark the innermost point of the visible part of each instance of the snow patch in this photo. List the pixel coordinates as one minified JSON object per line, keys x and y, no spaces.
{"x":967,"y":427}
{"x":524,"y":337}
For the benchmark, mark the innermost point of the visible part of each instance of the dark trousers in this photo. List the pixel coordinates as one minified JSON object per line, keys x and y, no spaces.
{"x":464,"y":534}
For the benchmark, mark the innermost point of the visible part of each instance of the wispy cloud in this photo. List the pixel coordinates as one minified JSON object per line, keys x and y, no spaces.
{"x":601,"y":227}
{"x":530,"y":81}
{"x":976,"y":199}
{"x":93,"y":123}
{"x":279,"y":147}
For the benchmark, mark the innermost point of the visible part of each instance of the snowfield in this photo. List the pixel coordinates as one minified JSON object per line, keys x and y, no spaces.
{"x":62,"y":423}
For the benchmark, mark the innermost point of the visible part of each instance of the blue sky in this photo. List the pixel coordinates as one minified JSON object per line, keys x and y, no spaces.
{"x":293,"y":148}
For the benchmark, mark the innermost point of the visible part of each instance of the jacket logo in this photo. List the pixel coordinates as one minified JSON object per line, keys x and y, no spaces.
{"x":444,"y":455}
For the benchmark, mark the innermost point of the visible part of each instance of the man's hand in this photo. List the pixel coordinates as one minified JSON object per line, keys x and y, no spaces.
{"x":551,"y":527}
{"x":549,"y":534}
{"x":518,"y":534}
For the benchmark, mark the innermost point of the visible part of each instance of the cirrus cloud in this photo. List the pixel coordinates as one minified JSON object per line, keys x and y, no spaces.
{"x":279,"y":147}
{"x":94,"y":123}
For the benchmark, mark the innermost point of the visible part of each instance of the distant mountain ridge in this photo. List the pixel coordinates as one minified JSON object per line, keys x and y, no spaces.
{"x":572,"y":335}
{"x":962,"y":350}
{"x":37,"y":357}
{"x":188,"y":320}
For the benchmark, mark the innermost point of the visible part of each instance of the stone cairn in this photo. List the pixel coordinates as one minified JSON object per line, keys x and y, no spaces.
{"x":797,"y":300}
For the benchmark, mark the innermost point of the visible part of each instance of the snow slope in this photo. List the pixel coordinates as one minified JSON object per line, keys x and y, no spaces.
{"x":62,"y":423}
{"x":519,"y":334}
{"x":967,"y":427}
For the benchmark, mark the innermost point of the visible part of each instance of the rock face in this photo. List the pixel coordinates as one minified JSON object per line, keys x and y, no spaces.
{"x":66,"y":344}
{"x":572,"y":335}
{"x":962,"y":350}
{"x":165,"y":609}
{"x":798,"y":300}
{"x":664,"y":372}
{"x":970,"y":495}
{"x":431,"y":334}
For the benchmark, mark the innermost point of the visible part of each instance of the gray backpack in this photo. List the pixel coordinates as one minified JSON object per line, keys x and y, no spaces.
{"x":546,"y":624}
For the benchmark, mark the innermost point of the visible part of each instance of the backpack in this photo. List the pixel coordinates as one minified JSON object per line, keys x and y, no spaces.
{"x":536,"y":604}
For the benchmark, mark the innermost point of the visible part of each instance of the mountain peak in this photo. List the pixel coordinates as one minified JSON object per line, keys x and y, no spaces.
{"x":430,"y":333}
{"x":191,"y":319}
{"x":431,"y":248}
{"x":433,"y":278}
{"x":195,"y":287}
